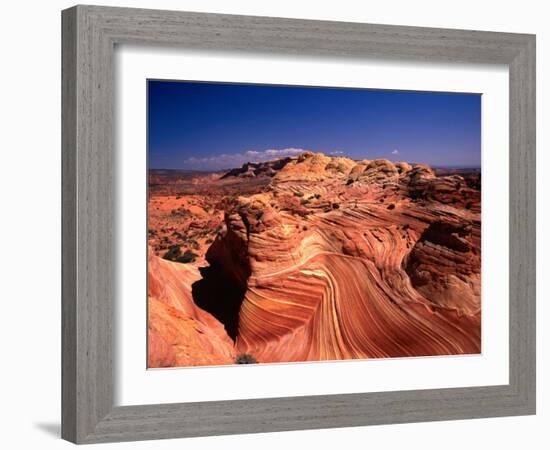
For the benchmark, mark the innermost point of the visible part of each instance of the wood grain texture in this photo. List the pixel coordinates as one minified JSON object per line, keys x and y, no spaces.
{"x":89,"y":36}
{"x":68,"y":224}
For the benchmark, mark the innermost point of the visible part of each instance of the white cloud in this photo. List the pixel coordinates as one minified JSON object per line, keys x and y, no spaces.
{"x":395,"y":152}
{"x":283,"y":152}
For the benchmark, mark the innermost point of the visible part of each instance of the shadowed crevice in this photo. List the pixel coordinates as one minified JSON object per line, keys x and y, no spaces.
{"x":221,"y":296}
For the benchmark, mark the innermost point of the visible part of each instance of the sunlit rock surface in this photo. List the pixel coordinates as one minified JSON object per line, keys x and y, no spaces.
{"x":327,"y":258}
{"x":180,"y":333}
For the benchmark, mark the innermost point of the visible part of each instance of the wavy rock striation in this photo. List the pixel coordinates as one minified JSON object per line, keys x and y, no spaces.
{"x":335,"y":259}
{"x":179,"y":332}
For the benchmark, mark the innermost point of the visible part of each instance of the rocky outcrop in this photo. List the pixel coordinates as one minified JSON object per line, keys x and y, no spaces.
{"x":340,"y":259}
{"x":313,"y":167}
{"x":179,"y":332}
{"x":256,"y":169}
{"x":445,"y":266}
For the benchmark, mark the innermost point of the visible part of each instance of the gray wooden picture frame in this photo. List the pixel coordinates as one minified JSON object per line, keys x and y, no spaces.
{"x":89,"y":36}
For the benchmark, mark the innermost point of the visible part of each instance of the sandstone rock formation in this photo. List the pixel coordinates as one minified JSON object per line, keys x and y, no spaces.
{"x":329,"y":259}
{"x":179,"y":332}
{"x":256,"y":169}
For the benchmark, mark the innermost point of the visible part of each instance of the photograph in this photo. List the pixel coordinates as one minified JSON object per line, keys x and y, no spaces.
{"x":296,"y":223}
{"x":275,"y":225}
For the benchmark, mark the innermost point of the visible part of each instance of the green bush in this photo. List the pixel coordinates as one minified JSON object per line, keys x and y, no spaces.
{"x":187,"y":257}
{"x":173,"y":252}
{"x":245,"y":358}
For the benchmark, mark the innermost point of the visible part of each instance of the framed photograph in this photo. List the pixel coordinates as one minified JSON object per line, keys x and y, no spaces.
{"x":277,"y":224}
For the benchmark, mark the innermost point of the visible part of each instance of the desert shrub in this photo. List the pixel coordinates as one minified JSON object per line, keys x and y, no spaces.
{"x":317,"y":196}
{"x":187,"y":257}
{"x":304,"y":201}
{"x":335,"y":206}
{"x":350,"y":181}
{"x":245,"y":358}
{"x":209,"y":240}
{"x":173,"y":252}
{"x":391,"y":206}
{"x":417,"y":195}
{"x":474,"y":182}
{"x":469,"y":205}
{"x":259,"y":214}
{"x":299,"y":194}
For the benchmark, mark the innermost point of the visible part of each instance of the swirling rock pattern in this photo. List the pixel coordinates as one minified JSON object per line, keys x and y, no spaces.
{"x":180,"y":333}
{"x":331,"y":259}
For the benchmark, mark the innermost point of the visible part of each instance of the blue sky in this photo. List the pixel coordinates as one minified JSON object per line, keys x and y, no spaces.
{"x":213,"y":126}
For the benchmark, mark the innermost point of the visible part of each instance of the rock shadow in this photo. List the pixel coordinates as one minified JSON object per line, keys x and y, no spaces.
{"x":221,"y":296}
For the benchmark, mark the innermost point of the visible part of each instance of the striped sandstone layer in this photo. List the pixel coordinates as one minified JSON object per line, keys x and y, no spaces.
{"x":334,"y":259}
{"x":179,"y":332}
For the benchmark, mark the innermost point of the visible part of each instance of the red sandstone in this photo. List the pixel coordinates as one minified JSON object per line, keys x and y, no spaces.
{"x":314,"y":258}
